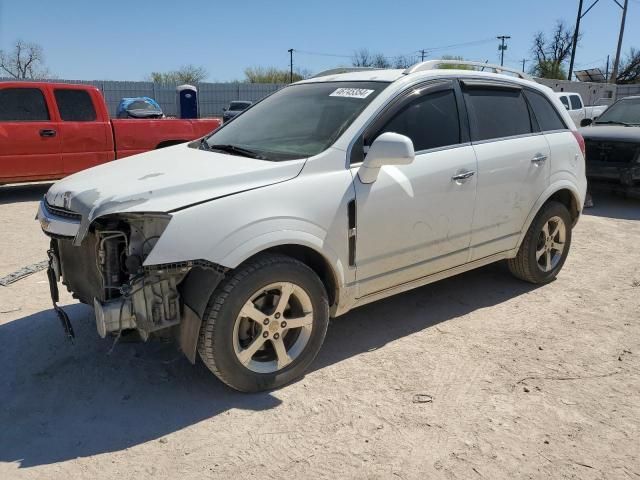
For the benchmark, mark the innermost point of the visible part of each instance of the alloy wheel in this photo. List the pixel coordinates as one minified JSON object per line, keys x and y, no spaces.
{"x":551,"y":244}
{"x":273,"y":327}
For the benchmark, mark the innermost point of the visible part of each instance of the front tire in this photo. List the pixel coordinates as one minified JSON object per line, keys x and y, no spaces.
{"x":265,"y":324}
{"x":545,"y":246}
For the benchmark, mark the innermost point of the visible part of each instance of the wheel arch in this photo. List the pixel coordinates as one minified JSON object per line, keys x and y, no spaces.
{"x":562,"y":192}
{"x":328,"y":270}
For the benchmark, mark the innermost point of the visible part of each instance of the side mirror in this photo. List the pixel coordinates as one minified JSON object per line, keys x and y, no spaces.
{"x":388,"y":149}
{"x":585,"y":122}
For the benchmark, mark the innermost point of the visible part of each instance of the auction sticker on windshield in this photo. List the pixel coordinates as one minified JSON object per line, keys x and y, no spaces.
{"x":351,"y":92}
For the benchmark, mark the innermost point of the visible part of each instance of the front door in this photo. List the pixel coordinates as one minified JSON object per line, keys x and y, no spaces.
{"x":415,"y":220}
{"x":85,"y":136}
{"x":30,"y":147}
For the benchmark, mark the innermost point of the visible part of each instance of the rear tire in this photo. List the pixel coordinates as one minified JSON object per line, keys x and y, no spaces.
{"x":545,"y":246}
{"x":265,"y":324}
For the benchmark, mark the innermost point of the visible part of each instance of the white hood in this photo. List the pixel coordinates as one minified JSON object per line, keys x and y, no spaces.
{"x":162,"y":181}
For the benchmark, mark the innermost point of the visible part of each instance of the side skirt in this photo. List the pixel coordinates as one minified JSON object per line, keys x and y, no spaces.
{"x":481,"y":262}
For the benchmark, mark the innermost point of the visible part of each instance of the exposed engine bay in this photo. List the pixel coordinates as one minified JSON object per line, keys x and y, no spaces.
{"x":106,"y":271}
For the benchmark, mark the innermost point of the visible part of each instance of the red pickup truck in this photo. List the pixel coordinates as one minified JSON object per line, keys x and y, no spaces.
{"x":50,"y":130}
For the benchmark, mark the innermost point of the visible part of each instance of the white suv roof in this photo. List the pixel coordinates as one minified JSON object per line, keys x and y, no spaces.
{"x":430,"y":68}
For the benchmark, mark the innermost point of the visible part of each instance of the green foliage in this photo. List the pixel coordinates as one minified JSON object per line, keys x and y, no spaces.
{"x":186,"y":74}
{"x":550,"y":69}
{"x":454,"y":66}
{"x":272,"y":75}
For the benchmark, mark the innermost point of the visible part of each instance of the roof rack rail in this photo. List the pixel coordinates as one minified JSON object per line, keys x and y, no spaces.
{"x":435,"y":64}
{"x":335,"y":71}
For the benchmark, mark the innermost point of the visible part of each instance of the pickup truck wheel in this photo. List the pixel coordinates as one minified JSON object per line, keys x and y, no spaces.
{"x":545,"y":246}
{"x":264,"y":324}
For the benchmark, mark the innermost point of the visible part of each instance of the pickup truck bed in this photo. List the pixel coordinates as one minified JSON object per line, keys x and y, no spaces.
{"x":50,"y":130}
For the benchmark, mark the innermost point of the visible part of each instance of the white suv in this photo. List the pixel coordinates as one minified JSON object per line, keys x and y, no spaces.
{"x":329,"y":194}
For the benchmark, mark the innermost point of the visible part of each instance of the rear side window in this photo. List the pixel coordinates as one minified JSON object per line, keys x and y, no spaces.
{"x":75,"y":105}
{"x":430,"y":121}
{"x":22,"y":105}
{"x":545,"y":113}
{"x":497,"y":113}
{"x":576,"y":103}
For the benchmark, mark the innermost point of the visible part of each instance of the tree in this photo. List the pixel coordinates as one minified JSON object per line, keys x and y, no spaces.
{"x":403,"y":61}
{"x":273,"y":75}
{"x":185,"y":74}
{"x":550,"y":54}
{"x":454,"y":66}
{"x":24,"y":61}
{"x":629,"y":71}
{"x":363,"y":58}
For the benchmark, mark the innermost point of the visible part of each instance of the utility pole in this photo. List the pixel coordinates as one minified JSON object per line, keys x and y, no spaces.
{"x":575,"y":40}
{"x":524,"y":60}
{"x":616,"y":62}
{"x":290,"y":65}
{"x":422,"y":52}
{"x":606,"y":75}
{"x":576,"y":32}
{"x":502,"y":47}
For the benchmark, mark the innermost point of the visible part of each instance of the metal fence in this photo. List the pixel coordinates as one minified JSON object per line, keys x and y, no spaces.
{"x":212,"y":97}
{"x":628,"y":90}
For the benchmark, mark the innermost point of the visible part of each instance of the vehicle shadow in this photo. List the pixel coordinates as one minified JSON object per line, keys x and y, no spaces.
{"x":372,"y":326}
{"x":24,"y":192}
{"x":61,"y":401}
{"x":613,"y":205}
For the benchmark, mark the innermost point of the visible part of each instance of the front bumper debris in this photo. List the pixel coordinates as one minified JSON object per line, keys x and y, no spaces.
{"x":53,"y":273}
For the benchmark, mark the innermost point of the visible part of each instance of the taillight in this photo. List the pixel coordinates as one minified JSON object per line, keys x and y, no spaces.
{"x":580,"y":141}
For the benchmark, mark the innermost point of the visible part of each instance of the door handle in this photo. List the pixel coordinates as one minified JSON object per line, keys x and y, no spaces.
{"x":47,"y":132}
{"x":539,"y":158}
{"x":463,"y":176}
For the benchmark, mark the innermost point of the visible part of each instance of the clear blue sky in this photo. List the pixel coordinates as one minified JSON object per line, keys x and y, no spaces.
{"x":125,"y":40}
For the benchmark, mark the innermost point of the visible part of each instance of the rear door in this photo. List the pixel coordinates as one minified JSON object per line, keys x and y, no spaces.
{"x":30,"y":147}
{"x":85,"y":130}
{"x":513,"y":167}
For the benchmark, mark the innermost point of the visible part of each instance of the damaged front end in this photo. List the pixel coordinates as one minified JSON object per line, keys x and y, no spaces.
{"x":107,"y":270}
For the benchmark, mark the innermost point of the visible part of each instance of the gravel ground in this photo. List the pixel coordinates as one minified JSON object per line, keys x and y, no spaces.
{"x":478,"y":376}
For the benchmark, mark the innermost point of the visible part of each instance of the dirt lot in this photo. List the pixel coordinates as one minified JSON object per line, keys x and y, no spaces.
{"x":479,"y":376}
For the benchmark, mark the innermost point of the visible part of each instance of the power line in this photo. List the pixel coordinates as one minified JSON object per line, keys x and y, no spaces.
{"x":465,"y":44}
{"x":422,"y":52}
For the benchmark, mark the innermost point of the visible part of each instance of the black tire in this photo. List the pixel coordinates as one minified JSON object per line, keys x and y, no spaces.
{"x":216,"y":335}
{"x":525,"y":265}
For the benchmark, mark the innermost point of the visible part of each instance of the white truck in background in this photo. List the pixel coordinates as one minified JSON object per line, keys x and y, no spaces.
{"x":577,"y":110}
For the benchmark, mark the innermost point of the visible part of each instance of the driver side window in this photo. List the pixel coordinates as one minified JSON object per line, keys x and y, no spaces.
{"x":430,"y":121}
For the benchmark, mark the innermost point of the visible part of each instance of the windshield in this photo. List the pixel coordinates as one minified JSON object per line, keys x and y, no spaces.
{"x":624,"y":112}
{"x":238,"y":105}
{"x":296,"y":122}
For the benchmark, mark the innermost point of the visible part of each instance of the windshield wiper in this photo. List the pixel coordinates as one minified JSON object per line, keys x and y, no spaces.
{"x":613,"y":122}
{"x":236,"y":150}
{"x":204,"y":145}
